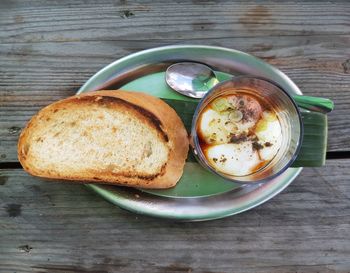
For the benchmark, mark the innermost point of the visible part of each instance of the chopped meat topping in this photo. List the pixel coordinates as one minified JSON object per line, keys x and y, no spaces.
{"x":257,"y":146}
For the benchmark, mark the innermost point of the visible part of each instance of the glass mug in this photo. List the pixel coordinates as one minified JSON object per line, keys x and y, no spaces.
{"x":284,"y":107}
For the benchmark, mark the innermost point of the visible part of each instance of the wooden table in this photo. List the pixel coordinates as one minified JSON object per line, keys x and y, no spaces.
{"x":48,"y":49}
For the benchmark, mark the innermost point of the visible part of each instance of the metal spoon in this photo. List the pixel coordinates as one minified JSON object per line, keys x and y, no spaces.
{"x":195,"y":80}
{"x":191,"y":79}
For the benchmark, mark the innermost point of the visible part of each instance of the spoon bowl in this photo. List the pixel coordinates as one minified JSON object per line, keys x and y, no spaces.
{"x":191,"y":79}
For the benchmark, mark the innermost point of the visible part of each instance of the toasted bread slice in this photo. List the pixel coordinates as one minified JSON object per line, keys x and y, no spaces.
{"x":113,"y":137}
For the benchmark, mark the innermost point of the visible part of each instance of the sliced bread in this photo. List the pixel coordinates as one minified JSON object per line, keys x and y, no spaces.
{"x":114,"y":137}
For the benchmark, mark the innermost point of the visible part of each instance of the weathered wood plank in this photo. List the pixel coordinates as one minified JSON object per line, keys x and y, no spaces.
{"x":53,"y":227}
{"x":49,"y":49}
{"x":89,"y":20}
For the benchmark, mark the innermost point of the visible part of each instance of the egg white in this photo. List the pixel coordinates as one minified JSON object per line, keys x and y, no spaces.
{"x":271,"y":132}
{"x":213,"y":123}
{"x":233,"y":159}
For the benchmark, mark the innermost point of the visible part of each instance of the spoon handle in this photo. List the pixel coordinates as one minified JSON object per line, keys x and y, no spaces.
{"x":314,"y":103}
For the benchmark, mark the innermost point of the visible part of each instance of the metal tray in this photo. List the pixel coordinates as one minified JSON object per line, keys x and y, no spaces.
{"x":130,"y":71}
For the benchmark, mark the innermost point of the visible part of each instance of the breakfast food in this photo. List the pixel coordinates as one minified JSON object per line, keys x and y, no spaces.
{"x":239,"y":133}
{"x":114,"y":137}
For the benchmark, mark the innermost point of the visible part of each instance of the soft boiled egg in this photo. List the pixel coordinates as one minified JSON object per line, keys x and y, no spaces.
{"x":240,"y":136}
{"x":269,"y":132}
{"x":233,"y":159}
{"x":249,"y":107}
{"x":212,"y":127}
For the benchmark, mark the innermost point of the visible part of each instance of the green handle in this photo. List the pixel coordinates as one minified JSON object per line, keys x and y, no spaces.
{"x":321,"y":105}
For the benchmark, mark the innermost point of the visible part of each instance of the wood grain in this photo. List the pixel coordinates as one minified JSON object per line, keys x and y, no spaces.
{"x":49,"y":49}
{"x":53,"y":227}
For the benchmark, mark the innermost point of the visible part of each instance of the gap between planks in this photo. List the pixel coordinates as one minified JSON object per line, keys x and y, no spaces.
{"x":330,"y":156}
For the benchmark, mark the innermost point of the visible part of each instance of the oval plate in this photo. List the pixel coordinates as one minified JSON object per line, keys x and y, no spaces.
{"x":228,"y":200}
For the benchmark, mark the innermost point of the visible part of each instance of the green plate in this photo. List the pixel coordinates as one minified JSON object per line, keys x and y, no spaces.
{"x":199,"y":195}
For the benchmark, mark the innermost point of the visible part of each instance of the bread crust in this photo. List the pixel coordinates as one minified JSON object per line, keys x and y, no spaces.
{"x":155,"y":110}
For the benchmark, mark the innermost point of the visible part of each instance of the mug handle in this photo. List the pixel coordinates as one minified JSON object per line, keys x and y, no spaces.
{"x":316,"y":104}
